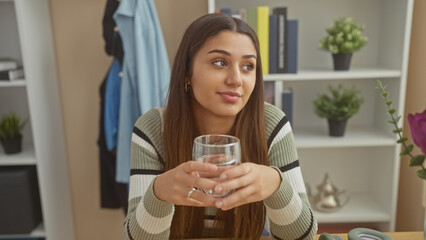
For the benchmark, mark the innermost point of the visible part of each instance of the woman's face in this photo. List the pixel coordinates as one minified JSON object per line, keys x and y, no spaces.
{"x":224,"y":75}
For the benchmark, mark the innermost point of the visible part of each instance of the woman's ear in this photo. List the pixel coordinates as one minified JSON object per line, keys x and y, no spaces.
{"x":187,"y":84}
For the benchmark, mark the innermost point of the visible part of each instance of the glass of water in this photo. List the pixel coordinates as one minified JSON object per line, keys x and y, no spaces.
{"x":222,"y":150}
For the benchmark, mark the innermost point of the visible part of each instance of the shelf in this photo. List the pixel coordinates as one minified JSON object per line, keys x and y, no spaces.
{"x":26,"y":157}
{"x":38,"y":232}
{"x":354,"y":137}
{"x":360,"y":208}
{"x":365,"y":73}
{"x":14,"y":83}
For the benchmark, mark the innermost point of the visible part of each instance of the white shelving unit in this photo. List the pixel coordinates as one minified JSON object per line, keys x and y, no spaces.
{"x":26,"y":36}
{"x":38,"y":232}
{"x":14,"y":83}
{"x":306,"y":75}
{"x":26,"y":157}
{"x":365,"y":162}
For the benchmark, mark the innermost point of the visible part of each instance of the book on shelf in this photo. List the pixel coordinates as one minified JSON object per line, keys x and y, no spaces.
{"x":252,"y":18}
{"x":273,"y":48}
{"x":277,"y":36}
{"x":287,"y":104}
{"x":269,"y":92}
{"x":13,"y":74}
{"x":292,"y":39}
{"x":263,"y":35}
{"x":7,"y":64}
{"x":281,"y":38}
{"x":227,"y":11}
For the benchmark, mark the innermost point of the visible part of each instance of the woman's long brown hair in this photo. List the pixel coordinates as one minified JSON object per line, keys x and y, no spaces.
{"x":246,"y":221}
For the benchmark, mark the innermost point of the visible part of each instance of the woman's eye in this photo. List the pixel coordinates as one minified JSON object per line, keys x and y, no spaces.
{"x":248,"y":67}
{"x":220,"y":63}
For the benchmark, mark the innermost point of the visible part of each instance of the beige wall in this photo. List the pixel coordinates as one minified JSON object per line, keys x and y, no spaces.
{"x":82,"y":64}
{"x":410,"y":211}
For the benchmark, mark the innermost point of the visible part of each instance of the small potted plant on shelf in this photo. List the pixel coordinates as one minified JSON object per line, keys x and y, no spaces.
{"x":343,"y":38}
{"x":10,"y":133}
{"x":338,"y":108}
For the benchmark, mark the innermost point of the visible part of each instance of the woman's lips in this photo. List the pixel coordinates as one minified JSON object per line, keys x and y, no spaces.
{"x":230,"y":96}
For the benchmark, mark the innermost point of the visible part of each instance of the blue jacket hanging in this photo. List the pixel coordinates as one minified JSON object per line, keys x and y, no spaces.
{"x":146,"y":72}
{"x":112,"y":105}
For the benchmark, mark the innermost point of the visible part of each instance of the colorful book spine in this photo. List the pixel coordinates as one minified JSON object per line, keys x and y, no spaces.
{"x":273,"y":44}
{"x":287,"y":104}
{"x":281,"y":13}
{"x":292,"y":45}
{"x":252,"y":18}
{"x":227,"y":11}
{"x":263,"y":35}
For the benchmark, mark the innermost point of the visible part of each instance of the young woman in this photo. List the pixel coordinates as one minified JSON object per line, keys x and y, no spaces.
{"x":216,"y":87}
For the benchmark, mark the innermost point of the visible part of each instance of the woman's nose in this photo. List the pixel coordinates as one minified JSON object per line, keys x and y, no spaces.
{"x":234,"y":77}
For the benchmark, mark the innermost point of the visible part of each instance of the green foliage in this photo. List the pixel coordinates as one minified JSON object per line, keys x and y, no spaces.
{"x":407,"y":148}
{"x":344,"y":36}
{"x":421,"y":173}
{"x":11,"y":126}
{"x":341,"y":105}
{"x":417,"y":160}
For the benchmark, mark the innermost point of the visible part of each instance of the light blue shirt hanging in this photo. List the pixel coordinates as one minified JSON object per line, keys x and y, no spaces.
{"x":146,"y":72}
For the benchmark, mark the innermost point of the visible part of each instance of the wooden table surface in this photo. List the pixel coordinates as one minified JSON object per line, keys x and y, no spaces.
{"x":394,"y":235}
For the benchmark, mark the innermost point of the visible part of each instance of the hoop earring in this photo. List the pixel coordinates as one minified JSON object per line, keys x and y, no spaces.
{"x":186,"y":87}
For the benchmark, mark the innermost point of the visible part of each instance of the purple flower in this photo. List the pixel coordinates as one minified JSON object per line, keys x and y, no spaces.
{"x":417,"y":123}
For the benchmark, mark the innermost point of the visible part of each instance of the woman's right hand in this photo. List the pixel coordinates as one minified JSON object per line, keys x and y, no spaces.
{"x":174,"y":185}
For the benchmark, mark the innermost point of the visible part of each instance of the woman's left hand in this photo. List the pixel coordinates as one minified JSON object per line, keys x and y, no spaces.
{"x":254,"y":183}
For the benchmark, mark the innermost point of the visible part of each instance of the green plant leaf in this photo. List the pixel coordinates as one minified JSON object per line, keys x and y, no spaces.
{"x":389,"y":103}
{"x":402,"y":140}
{"x":10,"y":126}
{"x":385,"y":94}
{"x":343,"y":36}
{"x":397,"y":130}
{"x":397,"y":119}
{"x":417,"y":160}
{"x":391,"y":111}
{"x":421,"y":173}
{"x":407,"y":150}
{"x":340,"y":104}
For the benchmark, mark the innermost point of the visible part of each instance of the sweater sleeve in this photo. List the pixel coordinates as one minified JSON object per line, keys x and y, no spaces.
{"x":148,"y":217}
{"x":288,"y":209}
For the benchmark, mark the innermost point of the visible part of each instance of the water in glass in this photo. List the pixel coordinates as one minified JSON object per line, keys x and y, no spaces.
{"x":221,"y":150}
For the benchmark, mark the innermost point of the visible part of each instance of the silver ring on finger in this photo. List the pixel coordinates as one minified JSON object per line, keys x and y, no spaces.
{"x":190,"y":192}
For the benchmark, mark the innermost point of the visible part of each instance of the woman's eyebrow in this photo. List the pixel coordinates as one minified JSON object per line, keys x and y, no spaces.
{"x":229,"y":54}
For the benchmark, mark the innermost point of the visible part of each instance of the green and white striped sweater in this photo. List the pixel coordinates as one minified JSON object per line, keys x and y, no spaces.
{"x":288,"y":209}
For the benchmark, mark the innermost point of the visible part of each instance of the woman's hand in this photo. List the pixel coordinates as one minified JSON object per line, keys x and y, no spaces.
{"x":174,"y":186}
{"x":254,"y":183}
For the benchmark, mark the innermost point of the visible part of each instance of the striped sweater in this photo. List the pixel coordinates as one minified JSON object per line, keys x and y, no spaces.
{"x":287,"y":209}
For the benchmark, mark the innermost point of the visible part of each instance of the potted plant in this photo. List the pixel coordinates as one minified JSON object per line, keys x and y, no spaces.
{"x":338,"y":108}
{"x":10,"y":133}
{"x":343,"y":38}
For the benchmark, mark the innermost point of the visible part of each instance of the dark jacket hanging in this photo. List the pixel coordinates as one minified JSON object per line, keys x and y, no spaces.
{"x":113,"y":194}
